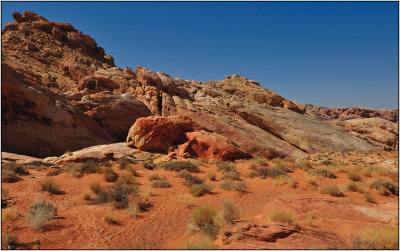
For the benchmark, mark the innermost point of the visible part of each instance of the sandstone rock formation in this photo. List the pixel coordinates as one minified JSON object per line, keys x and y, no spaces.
{"x":76,"y":72}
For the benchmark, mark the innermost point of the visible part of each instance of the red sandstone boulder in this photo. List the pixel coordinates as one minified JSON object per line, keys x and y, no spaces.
{"x":148,"y":78}
{"x":156,"y":133}
{"x":209,"y":146}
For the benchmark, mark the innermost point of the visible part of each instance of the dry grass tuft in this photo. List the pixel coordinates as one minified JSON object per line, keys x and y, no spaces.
{"x":384,"y":238}
{"x":281,"y":216}
{"x":332,"y":190}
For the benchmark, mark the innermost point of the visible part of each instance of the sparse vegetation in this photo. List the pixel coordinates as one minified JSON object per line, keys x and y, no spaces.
{"x":230,"y":185}
{"x":231,"y":175}
{"x":192,"y":180}
{"x":203,"y":217}
{"x":156,"y":176}
{"x":230,"y":211}
{"x":211,"y":176}
{"x":160,"y":184}
{"x":311,"y":180}
{"x":109,"y":174}
{"x":332,"y":190}
{"x":261,"y":162}
{"x":265,"y":172}
{"x":354,"y":176}
{"x":54,"y":172}
{"x":149,"y":165}
{"x":354,"y":187}
{"x":226,"y":167}
{"x":50,"y":186}
{"x":181,"y":165}
{"x":109,"y":218}
{"x":41,"y":212}
{"x":285,"y":179}
{"x":133,"y":208}
{"x":199,"y":190}
{"x":15,"y":168}
{"x":87,"y":195}
{"x":127,"y":179}
{"x":8,"y":176}
{"x":281,"y":165}
{"x":304,"y":165}
{"x":281,"y":216}
{"x":77,"y":170}
{"x":201,"y":243}
{"x":9,"y":214}
{"x":385,"y":187}
{"x":321,"y":172}
{"x":369,"y":198}
{"x":384,"y":238}
{"x":96,"y":187}
{"x":185,"y":200}
{"x":9,"y":241}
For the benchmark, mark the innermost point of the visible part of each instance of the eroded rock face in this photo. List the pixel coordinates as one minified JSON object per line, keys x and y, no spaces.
{"x":211,"y":146}
{"x":159,"y":133}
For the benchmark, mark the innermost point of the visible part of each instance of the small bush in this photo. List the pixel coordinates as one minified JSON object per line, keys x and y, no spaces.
{"x":156,"y":176}
{"x":192,"y":180}
{"x":181,"y":165}
{"x":239,"y":186}
{"x":226,"y":167}
{"x":202,"y":243}
{"x":331,"y":190}
{"x":8,"y":176}
{"x":227,"y":185}
{"x":149,"y":165}
{"x":265,"y":172}
{"x":281,"y":216}
{"x":285,"y":179}
{"x":15,"y":168}
{"x":54,"y":172}
{"x":230,"y":211}
{"x":146,"y":193}
{"x":77,"y":170}
{"x":369,"y":198}
{"x":211,"y":176}
{"x":281,"y":165}
{"x":127,"y":179}
{"x":181,"y":174}
{"x":384,"y":238}
{"x":9,"y":214}
{"x":160,"y":184}
{"x":109,"y":174}
{"x":289,"y":159}
{"x":9,"y":241}
{"x":199,"y":190}
{"x":385,"y":187}
{"x":50,"y":186}
{"x":120,"y":193}
{"x":41,"y":212}
{"x":354,"y":176}
{"x":125,"y":164}
{"x":261,"y":162}
{"x":203,"y":217}
{"x":354,"y":187}
{"x":304,"y":165}
{"x":109,"y":218}
{"x":231,"y":175}
{"x":86,"y":195}
{"x":96,"y":187}
{"x":311,"y":180}
{"x":322,"y":172}
{"x":185,"y":200}
{"x":133,"y":208}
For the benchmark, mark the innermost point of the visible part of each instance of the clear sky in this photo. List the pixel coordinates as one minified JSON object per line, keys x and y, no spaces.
{"x":334,"y":54}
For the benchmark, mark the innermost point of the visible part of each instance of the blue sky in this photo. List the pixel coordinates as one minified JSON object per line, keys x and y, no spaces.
{"x":334,"y":54}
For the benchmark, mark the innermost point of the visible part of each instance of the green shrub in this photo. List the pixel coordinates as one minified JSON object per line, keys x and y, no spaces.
{"x":281,"y":216}
{"x":95,"y":187}
{"x":127,"y":179}
{"x":9,"y":241}
{"x":192,"y":180}
{"x":203,"y":217}
{"x":119,"y":194}
{"x":231,"y":175}
{"x":331,"y":190}
{"x":199,"y":190}
{"x":77,"y":170}
{"x":8,"y":176}
{"x":227,"y":185}
{"x":285,"y":179}
{"x":239,"y":186}
{"x":211,"y":176}
{"x":354,"y":176}
{"x":369,"y":198}
{"x":384,"y":238}
{"x":41,"y":212}
{"x":181,"y":165}
{"x":321,"y":171}
{"x":385,"y":187}
{"x":160,"y":184}
{"x":50,"y":186}
{"x":201,"y":243}
{"x":226,"y":167}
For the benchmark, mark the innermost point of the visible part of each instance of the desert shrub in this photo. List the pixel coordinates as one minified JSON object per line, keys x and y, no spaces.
{"x":149,"y":165}
{"x":8,"y":176}
{"x":289,"y":159}
{"x":201,"y":243}
{"x":322,"y":172}
{"x":77,"y":170}
{"x":199,"y":190}
{"x":181,"y":165}
{"x":156,"y":176}
{"x":265,"y":172}
{"x":384,"y":238}
{"x":185,"y":200}
{"x":126,"y":164}
{"x":226,"y":167}
{"x":9,"y":241}
{"x":304,"y":165}
{"x":181,"y":174}
{"x":119,"y":194}
{"x":41,"y":212}
{"x":385,"y":187}
{"x":354,"y":187}
{"x":203,"y":217}
{"x":103,"y":196}
{"x":285,"y":179}
{"x":160,"y":184}
{"x":354,"y":176}
{"x":261,"y":162}
{"x":211,"y":176}
{"x":96,"y":187}
{"x":281,"y":216}
{"x":50,"y":186}
{"x":192,"y":180}
{"x":109,"y":218}
{"x":9,"y":214}
{"x":127,"y":179}
{"x":15,"y":168}
{"x":231,"y":175}
{"x":331,"y":190}
{"x":311,"y":180}
{"x":146,"y":193}
{"x":230,"y":212}
{"x":239,"y":186}
{"x":369,"y":198}
{"x":109,"y":174}
{"x":227,"y":185}
{"x":281,"y":165}
{"x":133,"y":208}
{"x":86,"y":195}
{"x":54,"y":172}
